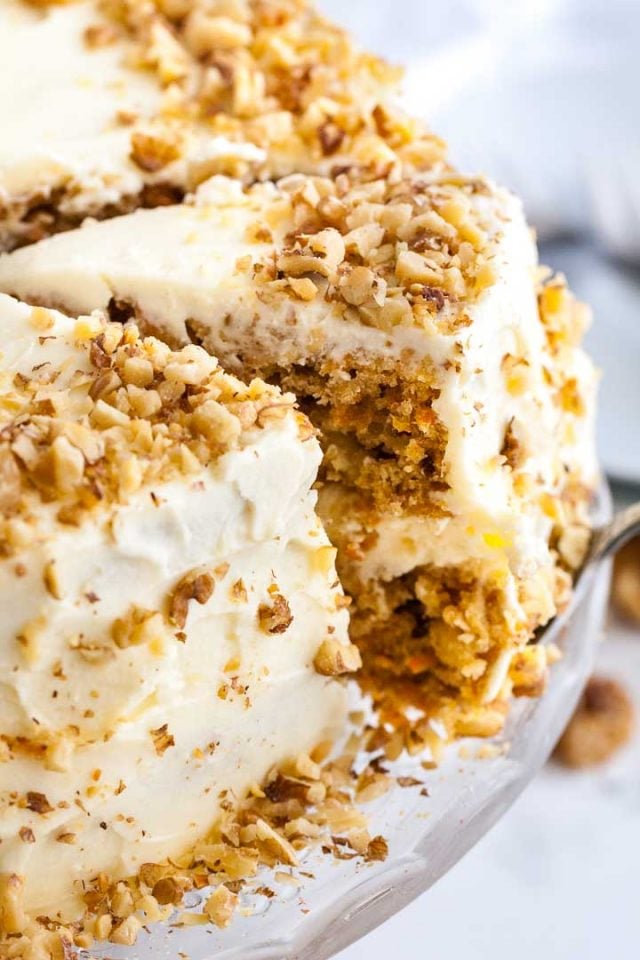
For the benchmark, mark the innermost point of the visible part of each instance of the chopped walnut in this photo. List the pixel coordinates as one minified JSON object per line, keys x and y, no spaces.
{"x":162,"y":739}
{"x":334,"y":658}
{"x":13,"y":919}
{"x":100,"y":35}
{"x":331,"y":137}
{"x":38,"y":803}
{"x":220,"y":906}
{"x":378,"y":849}
{"x":276,"y":616}
{"x":196,"y":585}
{"x":126,"y":932}
{"x":167,"y":890}
{"x":10,"y":481}
{"x":137,"y":627}
{"x":152,"y":152}
{"x":602,"y":723}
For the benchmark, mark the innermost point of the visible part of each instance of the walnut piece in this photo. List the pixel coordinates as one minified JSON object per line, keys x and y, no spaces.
{"x":602,"y":723}
{"x":275,"y":617}
{"x":334,"y":658}
{"x":38,"y":803}
{"x":12,"y":916}
{"x":162,"y":739}
{"x":196,"y":585}
{"x":151,"y":152}
{"x":220,"y":906}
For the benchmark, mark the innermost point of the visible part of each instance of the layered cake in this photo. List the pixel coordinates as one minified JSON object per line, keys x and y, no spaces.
{"x":408,"y":316}
{"x":171,"y":620}
{"x":249,"y":287}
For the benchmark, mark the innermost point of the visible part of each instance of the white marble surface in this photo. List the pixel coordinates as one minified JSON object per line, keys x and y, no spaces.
{"x":557,"y":878}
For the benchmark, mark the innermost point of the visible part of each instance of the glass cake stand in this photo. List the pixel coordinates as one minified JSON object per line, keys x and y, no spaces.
{"x":427,"y":834}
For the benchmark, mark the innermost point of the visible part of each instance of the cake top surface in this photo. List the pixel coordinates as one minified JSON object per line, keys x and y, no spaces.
{"x":389,"y":253}
{"x":67,"y":92}
{"x":127,"y":94}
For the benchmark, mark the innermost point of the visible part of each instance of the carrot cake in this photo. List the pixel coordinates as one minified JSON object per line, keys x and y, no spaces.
{"x":171,"y":613}
{"x":288,"y":301}
{"x":410,"y":318}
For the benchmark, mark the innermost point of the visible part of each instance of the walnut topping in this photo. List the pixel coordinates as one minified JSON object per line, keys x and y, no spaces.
{"x":386,"y":250}
{"x":68,"y":838}
{"x":276,"y":616}
{"x":152,"y":873}
{"x":220,"y":906}
{"x":137,"y":627}
{"x":331,"y":137}
{"x":152,"y":152}
{"x":126,"y":932}
{"x":603,"y":722}
{"x":100,"y":35}
{"x":128,"y":412}
{"x":196,"y":585}
{"x":238,"y":592}
{"x":38,"y":803}
{"x":162,"y":739}
{"x":167,"y":890}
{"x":10,"y":481}
{"x":334,"y":659}
{"x":378,"y":849}
{"x":13,"y":919}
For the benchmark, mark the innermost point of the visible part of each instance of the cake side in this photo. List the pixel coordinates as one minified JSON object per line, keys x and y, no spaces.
{"x":166,"y":618}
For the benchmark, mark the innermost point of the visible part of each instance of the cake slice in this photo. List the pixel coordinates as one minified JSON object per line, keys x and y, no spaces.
{"x":114,"y":106}
{"x":409,"y":316}
{"x":172,"y":625}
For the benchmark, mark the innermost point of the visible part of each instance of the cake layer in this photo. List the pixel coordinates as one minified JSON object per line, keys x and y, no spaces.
{"x":165,"y":589}
{"x":484,"y":412}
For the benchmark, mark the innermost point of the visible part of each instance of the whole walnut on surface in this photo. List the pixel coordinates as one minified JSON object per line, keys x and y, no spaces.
{"x":602,"y":723}
{"x":626,"y":582}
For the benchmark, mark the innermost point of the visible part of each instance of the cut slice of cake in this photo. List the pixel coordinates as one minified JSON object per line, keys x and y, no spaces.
{"x":409,"y":316}
{"x":172,"y":624}
{"x":128,"y":109}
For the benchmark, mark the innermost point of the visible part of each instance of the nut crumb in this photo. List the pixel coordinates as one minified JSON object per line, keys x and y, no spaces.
{"x":275,"y":617}
{"x":196,"y":585}
{"x":334,"y":658}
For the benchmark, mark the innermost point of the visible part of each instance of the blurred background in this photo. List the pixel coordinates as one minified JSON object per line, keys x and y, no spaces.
{"x":544,"y":96}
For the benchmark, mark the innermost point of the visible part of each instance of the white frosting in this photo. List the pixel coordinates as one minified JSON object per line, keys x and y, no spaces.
{"x":59,"y":108}
{"x":252,"y":509}
{"x":178,"y":265}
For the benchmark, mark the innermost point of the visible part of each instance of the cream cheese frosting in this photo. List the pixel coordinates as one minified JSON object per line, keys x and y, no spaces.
{"x":102,"y":724}
{"x":70,"y":125}
{"x":188,"y":270}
